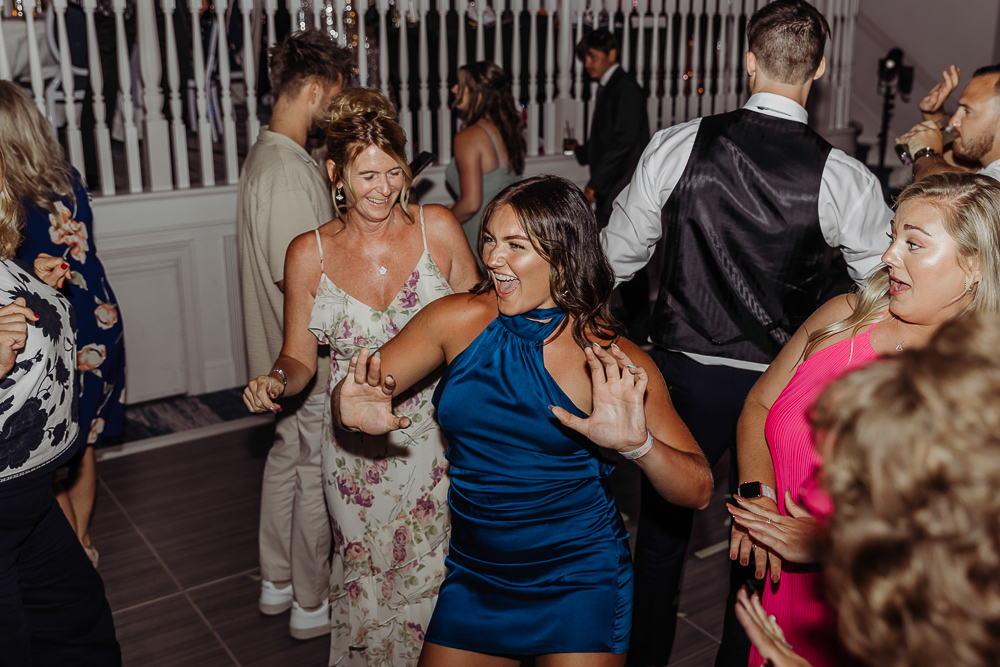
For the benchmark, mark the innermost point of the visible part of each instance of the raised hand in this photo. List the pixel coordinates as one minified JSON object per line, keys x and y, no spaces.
{"x":931,"y":105}
{"x":260,"y":394}
{"x":765,"y":633}
{"x":52,"y":270}
{"x":797,"y":537}
{"x":618,"y":419}
{"x":742,"y":546}
{"x":14,"y":318}
{"x":922,"y":135}
{"x":363,"y":401}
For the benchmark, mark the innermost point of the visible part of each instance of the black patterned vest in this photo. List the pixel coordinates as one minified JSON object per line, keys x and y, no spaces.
{"x":746,"y":262}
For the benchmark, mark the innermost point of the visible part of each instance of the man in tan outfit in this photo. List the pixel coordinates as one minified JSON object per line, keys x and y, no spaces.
{"x":283,"y":192}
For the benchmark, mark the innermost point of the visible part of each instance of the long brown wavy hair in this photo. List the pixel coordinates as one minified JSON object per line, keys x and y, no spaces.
{"x":563,"y":230}
{"x":10,"y":213}
{"x":36,"y":165}
{"x":489,"y":96}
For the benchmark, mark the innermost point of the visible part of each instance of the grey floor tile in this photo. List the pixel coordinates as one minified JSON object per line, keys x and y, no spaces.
{"x":132,"y":574}
{"x":705,"y":658}
{"x":168,"y":633}
{"x":691,"y":641}
{"x":197,"y":503}
{"x":256,"y":640}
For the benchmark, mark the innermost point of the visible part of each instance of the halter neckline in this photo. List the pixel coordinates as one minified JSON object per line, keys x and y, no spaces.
{"x":534,"y":325}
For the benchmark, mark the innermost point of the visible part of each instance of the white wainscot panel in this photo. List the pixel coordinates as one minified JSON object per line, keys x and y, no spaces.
{"x":156,"y":311}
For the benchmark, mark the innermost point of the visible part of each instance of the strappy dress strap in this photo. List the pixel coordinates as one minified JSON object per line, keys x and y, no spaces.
{"x":493,"y":141}
{"x":423,"y":232}
{"x":319,"y":243}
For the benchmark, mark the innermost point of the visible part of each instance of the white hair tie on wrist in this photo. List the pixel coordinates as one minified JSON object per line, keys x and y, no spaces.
{"x":639,"y":452}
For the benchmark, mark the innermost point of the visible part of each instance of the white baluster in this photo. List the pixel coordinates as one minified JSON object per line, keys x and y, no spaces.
{"x":653,"y":99}
{"x":716,"y":53}
{"x":533,"y":129}
{"x":178,"y":132}
{"x":480,"y":31}
{"x":625,"y":52}
{"x":128,"y":109}
{"x":550,"y":131}
{"x":516,"y":7}
{"x":640,"y":45}
{"x":564,"y":105}
{"x":729,"y":58}
{"x":201,"y":99}
{"x":579,"y":106}
{"x":383,"y":48}
{"x":360,"y":7}
{"x":271,"y":9}
{"x":338,"y":10}
{"x":295,"y":14}
{"x":156,"y":146}
{"x":498,"y":6}
{"x":250,"y":72}
{"x":4,"y":63}
{"x":34,"y":58}
{"x":102,"y":135}
{"x":225,"y":85}
{"x":73,"y":136}
{"x":847,"y":63}
{"x":444,"y":112}
{"x":462,"y":7}
{"x":425,"y":122}
{"x":698,"y":66}
{"x":405,"y":115}
{"x":669,"y":116}
{"x":317,"y":13}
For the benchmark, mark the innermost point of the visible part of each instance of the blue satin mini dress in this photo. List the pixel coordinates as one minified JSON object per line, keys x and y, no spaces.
{"x":539,"y":560}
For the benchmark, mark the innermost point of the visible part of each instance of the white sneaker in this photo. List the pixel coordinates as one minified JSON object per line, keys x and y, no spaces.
{"x":274,"y":600}
{"x":308,"y":624}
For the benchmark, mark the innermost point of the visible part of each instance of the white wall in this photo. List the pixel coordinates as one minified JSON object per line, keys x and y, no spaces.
{"x":933,"y":35}
{"x":172,"y":261}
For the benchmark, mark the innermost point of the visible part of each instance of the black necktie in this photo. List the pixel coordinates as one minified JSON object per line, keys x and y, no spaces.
{"x":600,"y":89}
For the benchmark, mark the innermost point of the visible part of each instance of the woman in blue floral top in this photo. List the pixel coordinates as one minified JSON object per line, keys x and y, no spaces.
{"x":58,"y":221}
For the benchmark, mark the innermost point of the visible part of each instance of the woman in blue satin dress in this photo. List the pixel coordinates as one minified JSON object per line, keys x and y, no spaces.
{"x":535,"y":386}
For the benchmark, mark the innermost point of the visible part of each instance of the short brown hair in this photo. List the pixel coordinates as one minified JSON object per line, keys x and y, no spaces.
{"x":788,"y":38}
{"x":914,"y":471}
{"x":359,"y":118}
{"x":305,"y":56}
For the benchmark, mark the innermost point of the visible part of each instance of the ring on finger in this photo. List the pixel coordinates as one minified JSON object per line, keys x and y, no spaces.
{"x":769,"y":522}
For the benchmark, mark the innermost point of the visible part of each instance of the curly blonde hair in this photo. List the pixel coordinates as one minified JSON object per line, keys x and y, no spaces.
{"x":914,"y":474}
{"x":10,"y":213}
{"x":359,"y":118}
{"x":37,"y":169}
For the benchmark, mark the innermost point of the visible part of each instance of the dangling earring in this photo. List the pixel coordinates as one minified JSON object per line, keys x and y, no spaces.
{"x":968,"y":283}
{"x":339,"y":196}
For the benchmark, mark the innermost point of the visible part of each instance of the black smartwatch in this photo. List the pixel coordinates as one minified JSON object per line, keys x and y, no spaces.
{"x":757,"y":490}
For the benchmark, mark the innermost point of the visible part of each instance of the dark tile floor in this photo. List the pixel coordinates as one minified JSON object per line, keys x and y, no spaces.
{"x":176,"y":528}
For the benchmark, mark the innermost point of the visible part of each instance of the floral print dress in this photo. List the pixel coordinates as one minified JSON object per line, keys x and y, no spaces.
{"x":100,"y":338}
{"x":387,"y":494}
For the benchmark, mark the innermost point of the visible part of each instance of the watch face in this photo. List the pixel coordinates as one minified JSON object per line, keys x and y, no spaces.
{"x":750,"y":490}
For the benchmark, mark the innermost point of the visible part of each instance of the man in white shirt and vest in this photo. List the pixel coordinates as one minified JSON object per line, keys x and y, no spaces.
{"x":283,"y":192}
{"x":976,"y":126}
{"x":759,"y":214}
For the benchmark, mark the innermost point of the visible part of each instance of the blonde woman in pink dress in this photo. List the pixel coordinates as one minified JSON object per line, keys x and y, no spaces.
{"x":943,"y":259}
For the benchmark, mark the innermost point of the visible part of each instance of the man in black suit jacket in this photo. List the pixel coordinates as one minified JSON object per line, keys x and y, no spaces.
{"x":620,"y":129}
{"x":618,"y":135}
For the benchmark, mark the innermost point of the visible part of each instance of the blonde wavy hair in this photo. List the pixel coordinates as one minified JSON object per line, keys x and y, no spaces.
{"x":969,"y":205}
{"x":913,"y":470}
{"x":359,"y":118}
{"x":36,"y":165}
{"x":10,"y":213}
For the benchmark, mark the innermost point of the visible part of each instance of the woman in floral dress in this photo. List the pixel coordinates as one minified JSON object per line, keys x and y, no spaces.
{"x":58,"y":221}
{"x":355,"y":283}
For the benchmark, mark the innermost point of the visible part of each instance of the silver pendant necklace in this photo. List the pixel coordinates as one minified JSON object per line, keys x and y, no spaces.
{"x":381,"y":270}
{"x":899,"y":348}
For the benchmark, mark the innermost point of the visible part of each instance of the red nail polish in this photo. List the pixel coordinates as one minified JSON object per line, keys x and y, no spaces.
{"x":64,"y":266}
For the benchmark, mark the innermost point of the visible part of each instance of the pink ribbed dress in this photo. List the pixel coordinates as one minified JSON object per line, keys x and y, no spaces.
{"x":798,"y":600}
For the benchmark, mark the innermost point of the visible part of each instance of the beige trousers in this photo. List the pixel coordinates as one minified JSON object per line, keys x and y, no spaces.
{"x":294,"y":523}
